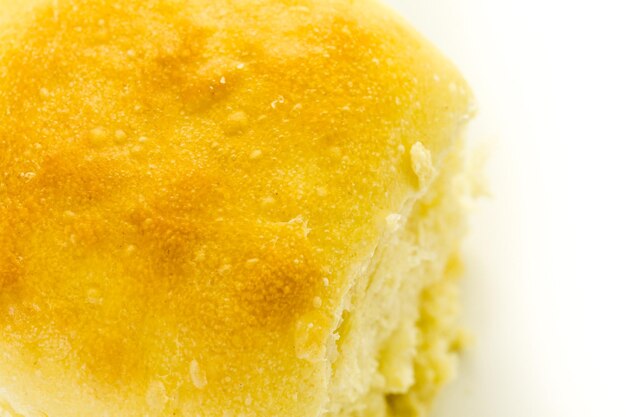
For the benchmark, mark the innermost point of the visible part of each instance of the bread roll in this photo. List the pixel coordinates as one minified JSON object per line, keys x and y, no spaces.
{"x":242,"y":208}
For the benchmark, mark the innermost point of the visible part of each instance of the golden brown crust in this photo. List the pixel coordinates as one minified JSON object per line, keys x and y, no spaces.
{"x":187,"y":186}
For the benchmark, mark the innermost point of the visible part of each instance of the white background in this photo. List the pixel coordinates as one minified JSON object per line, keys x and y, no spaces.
{"x":545,"y":293}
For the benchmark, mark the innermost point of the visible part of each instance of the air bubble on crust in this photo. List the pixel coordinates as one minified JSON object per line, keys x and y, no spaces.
{"x":120,"y":135}
{"x":130,"y":249}
{"x":268,"y":201}
{"x":98,"y":135}
{"x":198,"y":377}
{"x":321,"y":191}
{"x":251,"y":262}
{"x":236,"y":123}
{"x":28,"y":175}
{"x":94,"y":296}
{"x":279,"y":100}
{"x":224,"y":269}
{"x":422,"y":165}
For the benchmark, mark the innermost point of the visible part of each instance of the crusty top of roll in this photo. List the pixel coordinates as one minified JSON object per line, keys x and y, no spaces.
{"x":189,"y":187}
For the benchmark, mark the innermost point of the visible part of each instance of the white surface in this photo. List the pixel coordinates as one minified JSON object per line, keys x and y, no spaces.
{"x":546,"y":277}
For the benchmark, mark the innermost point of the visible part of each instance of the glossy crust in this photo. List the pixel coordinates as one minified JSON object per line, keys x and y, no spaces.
{"x":188,"y":191}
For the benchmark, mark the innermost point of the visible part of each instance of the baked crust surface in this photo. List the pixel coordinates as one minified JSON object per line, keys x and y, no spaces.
{"x":189,"y":190}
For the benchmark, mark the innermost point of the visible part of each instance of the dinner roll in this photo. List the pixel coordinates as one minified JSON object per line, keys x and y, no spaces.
{"x":226,"y":208}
